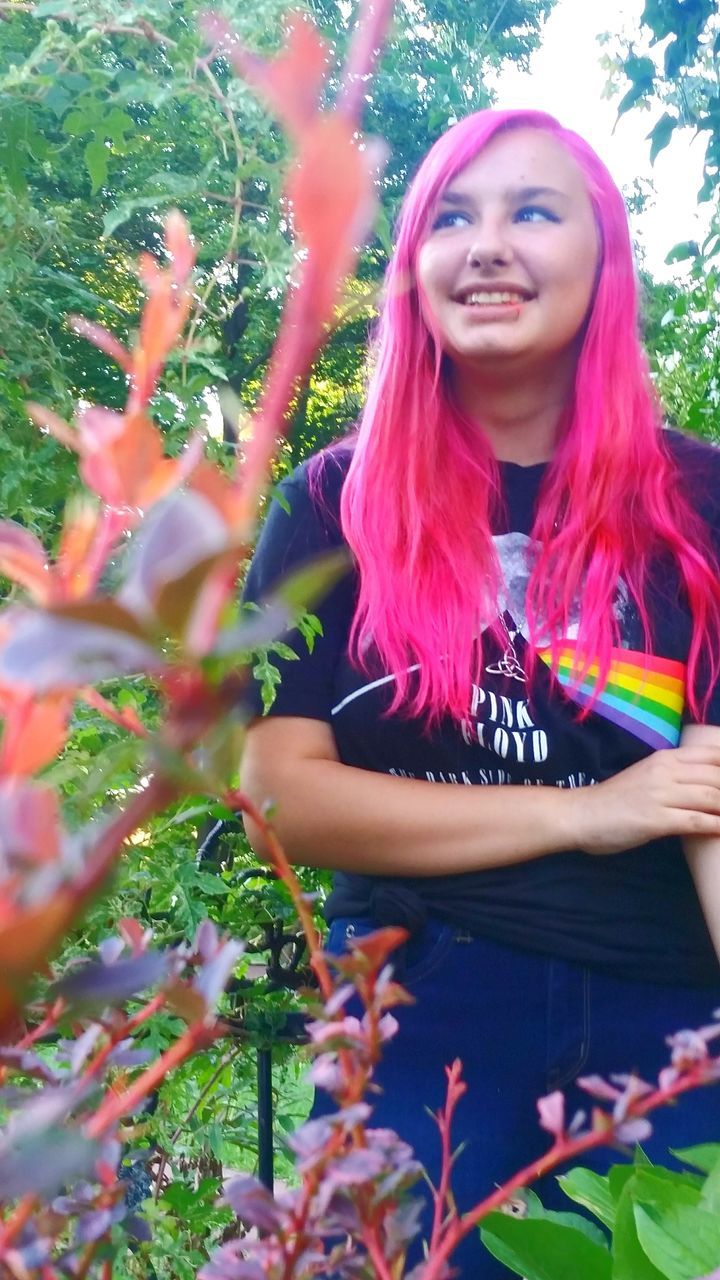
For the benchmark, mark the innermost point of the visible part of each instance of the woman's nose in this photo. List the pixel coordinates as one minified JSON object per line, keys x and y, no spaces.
{"x":489,"y":247}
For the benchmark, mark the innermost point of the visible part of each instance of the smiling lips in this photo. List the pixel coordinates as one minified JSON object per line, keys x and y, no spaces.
{"x":499,"y":296}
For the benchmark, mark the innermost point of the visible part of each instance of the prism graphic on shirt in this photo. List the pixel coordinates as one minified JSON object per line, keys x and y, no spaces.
{"x":644,"y":694}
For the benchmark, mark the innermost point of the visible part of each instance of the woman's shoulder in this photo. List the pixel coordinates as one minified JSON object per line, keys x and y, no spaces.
{"x":302,"y":520}
{"x":320,"y":478}
{"x":698,"y":462}
{"x":690,"y":452}
{"x":309,"y":496}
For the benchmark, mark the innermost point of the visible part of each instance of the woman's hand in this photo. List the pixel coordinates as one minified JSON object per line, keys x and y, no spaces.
{"x":671,"y":793}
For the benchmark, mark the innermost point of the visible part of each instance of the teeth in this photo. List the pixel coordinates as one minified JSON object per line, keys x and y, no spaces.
{"x":480,"y":299}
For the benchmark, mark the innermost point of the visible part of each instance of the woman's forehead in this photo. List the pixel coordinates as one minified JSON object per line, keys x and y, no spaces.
{"x":516,"y":161}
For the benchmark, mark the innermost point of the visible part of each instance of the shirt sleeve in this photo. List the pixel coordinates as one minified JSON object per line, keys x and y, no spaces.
{"x":297,"y":530}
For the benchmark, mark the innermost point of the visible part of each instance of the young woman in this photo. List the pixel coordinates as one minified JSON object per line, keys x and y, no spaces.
{"x":503,"y":738}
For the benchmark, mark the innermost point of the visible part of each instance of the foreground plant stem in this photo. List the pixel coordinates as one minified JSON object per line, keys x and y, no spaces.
{"x":563,"y":1150}
{"x":118,"y":1105}
{"x":17,"y":1220}
{"x":238,"y":801}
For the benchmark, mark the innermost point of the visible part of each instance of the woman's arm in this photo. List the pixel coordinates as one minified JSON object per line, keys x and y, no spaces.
{"x":703,"y":852}
{"x":328,"y":814}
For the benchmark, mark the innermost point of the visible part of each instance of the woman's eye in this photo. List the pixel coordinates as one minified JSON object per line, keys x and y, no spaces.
{"x":535,"y":213}
{"x":451,"y":218}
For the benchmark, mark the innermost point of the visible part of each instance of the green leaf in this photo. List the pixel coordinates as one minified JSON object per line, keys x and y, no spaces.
{"x":80,"y":293}
{"x":710,"y":1196}
{"x":681,"y":252}
{"x":306,"y":586}
{"x":278,"y":496}
{"x":681,"y":1241}
{"x":115,"y":125}
{"x":540,"y":1250}
{"x":310,"y":627}
{"x":659,"y":1183}
{"x":536,"y":1209}
{"x":639,"y":69}
{"x":630,"y":1262}
{"x":640,"y":1159}
{"x":57,"y":99}
{"x":592,"y":1191}
{"x":676,"y":53}
{"x":96,"y":161}
{"x":212,"y":885}
{"x":661,"y":134}
{"x":705,"y":1156}
{"x":115,"y":218}
{"x":618,"y":1177}
{"x":281,"y":650}
{"x":268,"y":678}
{"x":78,"y":123}
{"x":175,"y":184}
{"x":633,"y":95}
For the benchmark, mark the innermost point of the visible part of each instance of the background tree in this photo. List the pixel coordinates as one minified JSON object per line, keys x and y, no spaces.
{"x":673,"y":68}
{"x":109,"y":115}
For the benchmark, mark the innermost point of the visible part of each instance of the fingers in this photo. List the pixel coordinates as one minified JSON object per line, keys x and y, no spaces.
{"x":701,"y":798}
{"x":698,"y":775}
{"x":691,"y":822}
{"x":694,"y":755}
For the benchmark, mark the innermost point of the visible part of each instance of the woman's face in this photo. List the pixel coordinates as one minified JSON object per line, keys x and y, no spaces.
{"x":508,"y":266}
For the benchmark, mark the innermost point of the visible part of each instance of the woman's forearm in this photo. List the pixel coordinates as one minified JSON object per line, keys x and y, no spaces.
{"x":703,"y":852}
{"x":703,"y":856}
{"x":328,"y":814}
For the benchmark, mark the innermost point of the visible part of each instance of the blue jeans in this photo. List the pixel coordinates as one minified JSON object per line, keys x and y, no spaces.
{"x":523,"y":1025}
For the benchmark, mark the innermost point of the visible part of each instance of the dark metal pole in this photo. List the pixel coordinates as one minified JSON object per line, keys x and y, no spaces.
{"x":265,"y":1117}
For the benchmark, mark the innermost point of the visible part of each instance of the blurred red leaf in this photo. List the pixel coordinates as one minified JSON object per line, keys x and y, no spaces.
{"x":218,"y":489}
{"x":34,"y":731}
{"x":133,"y":933}
{"x":27,"y":938}
{"x":101,"y":611}
{"x":330,"y":190}
{"x":126,"y":718}
{"x":101,"y":338}
{"x":23,"y":559}
{"x":58,"y":651}
{"x":120,"y":454}
{"x":182,"y":537}
{"x":73,"y":568}
{"x":291,"y":82}
{"x":29,"y":822}
{"x":186,"y":1001}
{"x":369,"y":953}
{"x":51,"y":422}
{"x":180,"y":247}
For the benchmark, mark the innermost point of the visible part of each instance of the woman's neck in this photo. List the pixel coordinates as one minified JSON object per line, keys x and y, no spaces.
{"x":520,"y":422}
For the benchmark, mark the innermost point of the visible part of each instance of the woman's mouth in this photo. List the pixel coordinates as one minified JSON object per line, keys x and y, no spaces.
{"x":493,"y":298}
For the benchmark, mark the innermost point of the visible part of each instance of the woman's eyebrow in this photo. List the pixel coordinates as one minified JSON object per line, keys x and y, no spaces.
{"x":512,"y":194}
{"x":532,"y":193}
{"x":455,"y":197}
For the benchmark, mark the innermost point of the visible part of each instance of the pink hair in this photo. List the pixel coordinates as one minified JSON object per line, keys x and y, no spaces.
{"x":419,"y":496}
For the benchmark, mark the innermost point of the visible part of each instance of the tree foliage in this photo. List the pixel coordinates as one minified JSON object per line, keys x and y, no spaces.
{"x":677,"y":75}
{"x":111,"y":114}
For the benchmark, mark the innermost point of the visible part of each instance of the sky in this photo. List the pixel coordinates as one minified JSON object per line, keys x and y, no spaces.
{"x":566,"y":79}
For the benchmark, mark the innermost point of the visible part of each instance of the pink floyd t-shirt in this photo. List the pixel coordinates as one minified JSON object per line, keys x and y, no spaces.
{"x":634,"y":914}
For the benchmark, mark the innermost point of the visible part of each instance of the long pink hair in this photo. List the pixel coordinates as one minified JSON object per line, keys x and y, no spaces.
{"x":419,"y":496}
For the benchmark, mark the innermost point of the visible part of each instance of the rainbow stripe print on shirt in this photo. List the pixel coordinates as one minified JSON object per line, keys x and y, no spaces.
{"x":644,"y":694}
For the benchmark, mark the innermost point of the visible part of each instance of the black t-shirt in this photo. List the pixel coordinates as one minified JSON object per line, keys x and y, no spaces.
{"x":634,"y":914}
